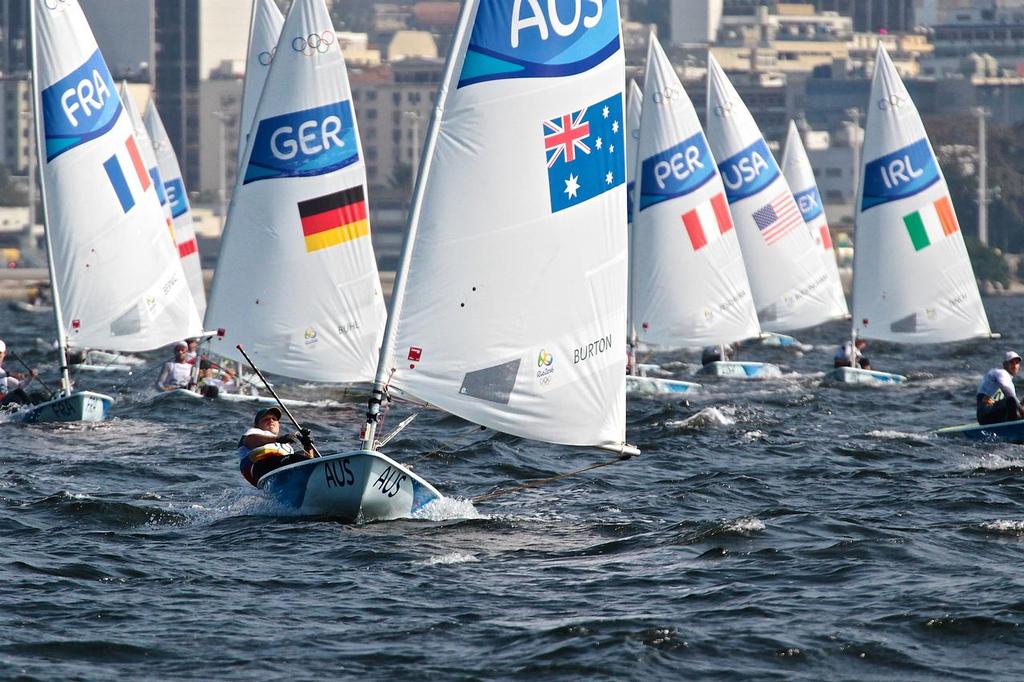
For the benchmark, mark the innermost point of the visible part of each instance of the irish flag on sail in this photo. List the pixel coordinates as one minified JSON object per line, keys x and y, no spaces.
{"x":931,"y":223}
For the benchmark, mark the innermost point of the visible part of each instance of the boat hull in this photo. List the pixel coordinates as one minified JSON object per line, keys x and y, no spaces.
{"x":729,"y":369}
{"x":351,"y":486}
{"x":80,"y":406}
{"x":657,"y":386}
{"x":856,"y":375}
{"x":1005,"y":432}
{"x":236,"y":398}
{"x":773,"y":340}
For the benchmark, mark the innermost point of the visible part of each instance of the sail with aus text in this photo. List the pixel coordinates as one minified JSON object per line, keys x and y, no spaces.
{"x":912,"y":278}
{"x":510,"y":305}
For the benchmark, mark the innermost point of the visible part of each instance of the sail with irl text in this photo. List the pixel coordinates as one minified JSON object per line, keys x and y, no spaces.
{"x":912,"y":278}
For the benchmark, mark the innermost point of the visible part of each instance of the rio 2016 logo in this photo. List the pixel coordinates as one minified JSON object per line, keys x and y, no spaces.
{"x":545,"y":366}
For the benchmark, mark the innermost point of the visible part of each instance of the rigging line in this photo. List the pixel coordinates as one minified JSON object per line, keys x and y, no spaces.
{"x":536,"y":483}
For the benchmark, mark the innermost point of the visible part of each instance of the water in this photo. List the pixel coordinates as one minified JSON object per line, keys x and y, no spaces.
{"x":777,"y":530}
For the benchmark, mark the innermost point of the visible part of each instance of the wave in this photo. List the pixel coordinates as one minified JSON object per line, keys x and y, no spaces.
{"x":449,"y":559}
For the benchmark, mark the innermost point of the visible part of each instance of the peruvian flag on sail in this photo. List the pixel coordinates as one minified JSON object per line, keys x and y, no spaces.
{"x":931,"y":223}
{"x":707,"y":221}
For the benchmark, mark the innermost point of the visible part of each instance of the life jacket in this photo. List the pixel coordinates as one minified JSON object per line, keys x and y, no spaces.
{"x":247,"y":460}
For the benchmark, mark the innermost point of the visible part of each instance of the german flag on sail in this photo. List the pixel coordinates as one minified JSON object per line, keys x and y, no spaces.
{"x":334,"y":218}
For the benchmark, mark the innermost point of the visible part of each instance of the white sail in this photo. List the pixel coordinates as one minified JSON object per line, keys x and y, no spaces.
{"x":912,"y":278}
{"x":120,"y":281}
{"x":264,"y":32}
{"x":689,"y":285}
{"x":148,"y":155}
{"x":510,"y":304}
{"x":177,"y":198}
{"x":634,"y":106}
{"x":787,"y":275}
{"x":296,"y":280}
{"x":796,"y":168}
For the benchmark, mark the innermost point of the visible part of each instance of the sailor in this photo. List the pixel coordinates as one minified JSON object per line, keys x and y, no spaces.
{"x":997,"y":399}
{"x":264,"y":448}
{"x":12,"y":384}
{"x":176,"y":373}
{"x":846,"y":350}
{"x":720,"y":353}
{"x":192,"y":354}
{"x":215,"y":380}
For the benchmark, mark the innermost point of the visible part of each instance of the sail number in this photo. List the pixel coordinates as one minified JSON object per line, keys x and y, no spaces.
{"x":535,"y":17}
{"x":89,"y":95}
{"x":338,"y":474}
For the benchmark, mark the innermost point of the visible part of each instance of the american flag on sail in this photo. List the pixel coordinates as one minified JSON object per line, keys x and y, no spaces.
{"x":778,"y":217}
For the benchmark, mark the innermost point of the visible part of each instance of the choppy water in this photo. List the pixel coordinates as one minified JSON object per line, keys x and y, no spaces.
{"x":778,"y":530}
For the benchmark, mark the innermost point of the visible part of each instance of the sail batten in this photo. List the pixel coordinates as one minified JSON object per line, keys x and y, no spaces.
{"x":912,"y":277}
{"x":511,"y":298}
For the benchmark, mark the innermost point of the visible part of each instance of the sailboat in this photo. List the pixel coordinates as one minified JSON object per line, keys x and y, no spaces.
{"x":117,"y":283}
{"x":296,"y":282}
{"x":787,"y":275}
{"x":689,"y":285}
{"x":264,"y":31}
{"x":912,"y":278}
{"x":177,"y":199}
{"x":796,"y":168}
{"x":510,"y":299}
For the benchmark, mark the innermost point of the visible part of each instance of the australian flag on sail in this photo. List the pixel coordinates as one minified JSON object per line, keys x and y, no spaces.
{"x":585,"y":153}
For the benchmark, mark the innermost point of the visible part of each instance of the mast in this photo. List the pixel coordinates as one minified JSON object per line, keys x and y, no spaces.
{"x":398,"y":289}
{"x":857,"y":146}
{"x":62,"y":339}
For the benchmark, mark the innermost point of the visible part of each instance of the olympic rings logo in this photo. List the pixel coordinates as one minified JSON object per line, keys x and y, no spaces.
{"x":52,"y":5}
{"x":723,"y":110}
{"x":265,"y":57}
{"x":669,"y":94}
{"x":892,"y":102}
{"x":313,"y":43}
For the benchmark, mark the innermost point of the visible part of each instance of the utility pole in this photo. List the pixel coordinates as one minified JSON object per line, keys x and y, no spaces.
{"x":982,"y":113}
{"x":855,"y":142}
{"x":26,"y":237}
{"x":222,"y":192}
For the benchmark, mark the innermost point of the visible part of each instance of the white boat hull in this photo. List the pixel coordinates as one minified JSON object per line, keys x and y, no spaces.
{"x":773,"y":340}
{"x":730,"y":369}
{"x":856,"y":375}
{"x":237,"y":398}
{"x":88,"y":367}
{"x":80,"y":406}
{"x":657,"y":386}
{"x":26,"y":307}
{"x":351,"y":486}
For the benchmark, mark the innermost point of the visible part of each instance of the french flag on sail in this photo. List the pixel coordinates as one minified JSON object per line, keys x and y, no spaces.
{"x":707,"y":221}
{"x":127,"y":159}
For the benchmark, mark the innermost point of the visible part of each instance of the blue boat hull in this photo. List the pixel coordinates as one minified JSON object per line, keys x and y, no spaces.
{"x":1006,"y":432}
{"x":658,"y":386}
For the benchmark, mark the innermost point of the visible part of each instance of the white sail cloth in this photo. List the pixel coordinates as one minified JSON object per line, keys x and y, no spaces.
{"x":512,"y":310}
{"x":296,"y":280}
{"x":912,"y":278}
{"x":787,"y":275}
{"x":796,"y":168}
{"x":120,"y":282}
{"x":689,"y":284}
{"x":177,"y":199}
{"x":264,"y":32}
